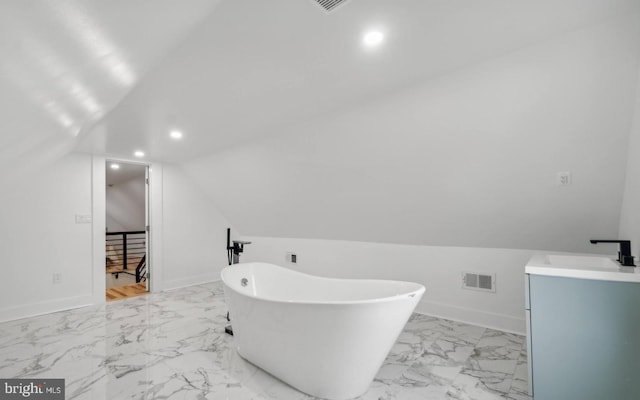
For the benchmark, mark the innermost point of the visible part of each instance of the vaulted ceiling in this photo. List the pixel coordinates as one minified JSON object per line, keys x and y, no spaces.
{"x":252,"y":68}
{"x":272,"y":88}
{"x":66,"y":65}
{"x":109,"y":77}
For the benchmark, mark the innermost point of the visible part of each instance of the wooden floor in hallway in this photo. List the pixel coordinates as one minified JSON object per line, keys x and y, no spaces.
{"x":126,"y":291}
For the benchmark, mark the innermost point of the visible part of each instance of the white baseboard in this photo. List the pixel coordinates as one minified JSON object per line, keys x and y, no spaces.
{"x":485,"y":319}
{"x":44,"y":307}
{"x":191,"y":281}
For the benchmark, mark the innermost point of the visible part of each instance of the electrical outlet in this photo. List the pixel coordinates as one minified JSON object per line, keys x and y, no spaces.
{"x":292,"y":258}
{"x":57,"y":278}
{"x":563,"y":178}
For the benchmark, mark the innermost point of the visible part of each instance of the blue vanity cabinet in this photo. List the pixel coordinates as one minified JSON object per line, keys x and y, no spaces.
{"x":583,"y":338}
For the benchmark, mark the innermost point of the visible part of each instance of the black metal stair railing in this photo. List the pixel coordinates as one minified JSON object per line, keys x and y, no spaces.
{"x":141,"y":270}
{"x":127,"y":254}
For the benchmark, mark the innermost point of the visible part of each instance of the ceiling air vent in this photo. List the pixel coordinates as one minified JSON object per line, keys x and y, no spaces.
{"x":483,"y":282}
{"x":330,"y":5}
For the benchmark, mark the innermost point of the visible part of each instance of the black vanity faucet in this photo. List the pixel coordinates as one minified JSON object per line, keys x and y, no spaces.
{"x":624,"y":255}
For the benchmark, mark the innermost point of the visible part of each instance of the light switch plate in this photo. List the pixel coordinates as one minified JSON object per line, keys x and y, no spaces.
{"x":83,"y":219}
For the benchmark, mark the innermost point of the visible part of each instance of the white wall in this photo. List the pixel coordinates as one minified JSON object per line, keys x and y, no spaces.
{"x":194,"y":232}
{"x":468,"y":159}
{"x":40,"y":237}
{"x":456,"y":174}
{"x":630,"y":215}
{"x":438,"y":268}
{"x":126,"y":204}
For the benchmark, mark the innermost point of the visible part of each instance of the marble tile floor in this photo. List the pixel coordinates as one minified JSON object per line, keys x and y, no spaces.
{"x":172,"y":345}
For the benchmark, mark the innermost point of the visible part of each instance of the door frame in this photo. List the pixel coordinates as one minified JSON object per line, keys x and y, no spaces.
{"x":154,"y":215}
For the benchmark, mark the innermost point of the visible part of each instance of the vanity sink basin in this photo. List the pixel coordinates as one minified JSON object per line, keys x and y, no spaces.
{"x":582,"y":262}
{"x":582,"y":266}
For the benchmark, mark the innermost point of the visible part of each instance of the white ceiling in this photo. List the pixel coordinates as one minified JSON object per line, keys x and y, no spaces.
{"x":255,"y":68}
{"x":114,"y":76}
{"x":469,"y":158}
{"x":65,"y":64}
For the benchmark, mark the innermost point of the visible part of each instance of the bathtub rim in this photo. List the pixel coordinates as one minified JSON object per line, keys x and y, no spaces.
{"x":418,"y":291}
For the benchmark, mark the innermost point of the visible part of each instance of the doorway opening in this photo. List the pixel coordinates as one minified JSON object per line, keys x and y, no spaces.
{"x":127,"y":230}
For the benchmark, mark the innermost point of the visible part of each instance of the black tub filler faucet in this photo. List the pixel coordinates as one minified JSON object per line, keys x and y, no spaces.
{"x":233,"y":252}
{"x":233,"y":255}
{"x":624,"y":255}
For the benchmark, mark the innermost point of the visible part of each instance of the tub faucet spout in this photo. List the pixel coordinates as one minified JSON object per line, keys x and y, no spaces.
{"x":233,"y":252}
{"x":624,"y":255}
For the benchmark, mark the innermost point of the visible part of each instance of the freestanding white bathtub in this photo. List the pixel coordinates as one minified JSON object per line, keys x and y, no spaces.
{"x":325,"y":337}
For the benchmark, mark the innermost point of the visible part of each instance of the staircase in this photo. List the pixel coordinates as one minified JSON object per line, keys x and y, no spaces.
{"x":127,"y":254}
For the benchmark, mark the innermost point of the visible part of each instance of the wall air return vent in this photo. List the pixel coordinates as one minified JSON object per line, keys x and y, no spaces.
{"x":330,"y":5}
{"x":482,"y":282}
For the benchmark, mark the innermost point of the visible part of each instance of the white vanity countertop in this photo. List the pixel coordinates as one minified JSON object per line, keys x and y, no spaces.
{"x":582,"y":267}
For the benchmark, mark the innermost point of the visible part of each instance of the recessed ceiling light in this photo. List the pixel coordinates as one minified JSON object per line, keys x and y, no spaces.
{"x":138,"y":153}
{"x":372,"y":38}
{"x":175,"y":134}
{"x":115,"y":166}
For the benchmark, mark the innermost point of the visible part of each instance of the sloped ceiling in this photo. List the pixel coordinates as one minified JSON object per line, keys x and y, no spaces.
{"x":466,"y":156}
{"x":67,"y":63}
{"x":256,"y":67}
{"x":449,"y":133}
{"x":466,"y":159}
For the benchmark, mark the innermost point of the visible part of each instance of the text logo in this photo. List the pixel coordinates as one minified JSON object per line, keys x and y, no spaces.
{"x":32,"y":389}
